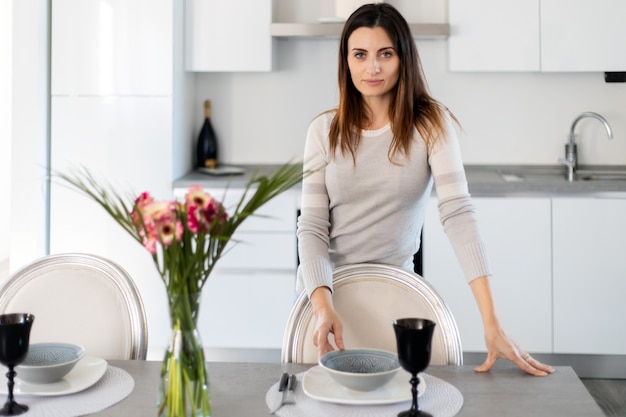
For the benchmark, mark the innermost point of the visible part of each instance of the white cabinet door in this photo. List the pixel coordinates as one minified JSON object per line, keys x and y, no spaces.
{"x":248,"y":297}
{"x":117,"y":139}
{"x":246,"y":309}
{"x":227,"y":35}
{"x":113,"y":47}
{"x":494,"y":35}
{"x":589,"y":275}
{"x":583,"y":35}
{"x":517,"y":234}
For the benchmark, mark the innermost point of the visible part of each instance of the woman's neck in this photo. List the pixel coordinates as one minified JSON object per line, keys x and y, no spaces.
{"x":377,"y":110}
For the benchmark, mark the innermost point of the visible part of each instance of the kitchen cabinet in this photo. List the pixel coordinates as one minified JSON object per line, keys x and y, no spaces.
{"x":516,"y":232}
{"x":589,"y":275}
{"x":537,"y":35}
{"x":228,"y":36}
{"x":248,"y":297}
{"x":111,"y":47}
{"x":494,"y":35}
{"x":117,"y":139}
{"x":112,"y":111}
{"x":583,"y":35}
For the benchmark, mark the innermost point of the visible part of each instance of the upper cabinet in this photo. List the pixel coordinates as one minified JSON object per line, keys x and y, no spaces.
{"x":583,"y":35}
{"x":307,"y":19}
{"x":228,"y":36}
{"x":494,"y":35}
{"x":238,"y":36}
{"x":109,"y":48}
{"x":537,"y":35}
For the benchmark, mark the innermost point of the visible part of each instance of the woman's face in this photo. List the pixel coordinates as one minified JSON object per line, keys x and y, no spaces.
{"x":373,"y":62}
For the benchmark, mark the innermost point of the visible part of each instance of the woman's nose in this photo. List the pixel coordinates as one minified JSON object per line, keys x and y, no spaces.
{"x":374,"y":66}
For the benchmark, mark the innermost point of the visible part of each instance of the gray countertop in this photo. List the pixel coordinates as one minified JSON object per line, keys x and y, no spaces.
{"x":221,"y":181}
{"x":483,"y":180}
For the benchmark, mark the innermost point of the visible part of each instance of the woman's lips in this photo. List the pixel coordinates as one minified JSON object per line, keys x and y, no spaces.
{"x":373,"y":83}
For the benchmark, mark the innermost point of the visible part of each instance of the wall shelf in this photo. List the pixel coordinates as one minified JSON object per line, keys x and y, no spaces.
{"x":333,"y":30}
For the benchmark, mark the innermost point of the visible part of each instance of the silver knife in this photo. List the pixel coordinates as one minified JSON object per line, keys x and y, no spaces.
{"x":282,"y":387}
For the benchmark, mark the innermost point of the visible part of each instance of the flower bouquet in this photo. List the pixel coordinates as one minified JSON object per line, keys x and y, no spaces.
{"x":186,"y":239}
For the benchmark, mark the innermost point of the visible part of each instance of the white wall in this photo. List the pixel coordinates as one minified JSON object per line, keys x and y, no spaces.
{"x":508,"y":118}
{"x":5,"y":122}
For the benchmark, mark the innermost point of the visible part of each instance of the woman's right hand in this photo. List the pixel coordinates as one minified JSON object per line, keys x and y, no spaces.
{"x":327,"y":321}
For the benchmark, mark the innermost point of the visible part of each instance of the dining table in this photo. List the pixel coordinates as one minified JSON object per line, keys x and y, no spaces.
{"x":240,"y":389}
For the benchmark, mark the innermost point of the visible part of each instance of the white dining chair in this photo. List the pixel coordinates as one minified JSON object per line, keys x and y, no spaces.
{"x":82,"y":299}
{"x":368,"y":298}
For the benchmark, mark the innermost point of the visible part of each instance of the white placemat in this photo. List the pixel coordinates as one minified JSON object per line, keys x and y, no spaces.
{"x":115,"y":385}
{"x":441,"y":399}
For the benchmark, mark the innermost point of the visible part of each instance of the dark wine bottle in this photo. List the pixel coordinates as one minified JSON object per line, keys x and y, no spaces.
{"x":206,"y":151}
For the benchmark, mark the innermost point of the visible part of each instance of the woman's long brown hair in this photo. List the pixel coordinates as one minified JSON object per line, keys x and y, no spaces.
{"x":411,"y":104}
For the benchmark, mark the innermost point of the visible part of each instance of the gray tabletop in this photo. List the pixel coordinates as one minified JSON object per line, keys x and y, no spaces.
{"x":239,"y":389}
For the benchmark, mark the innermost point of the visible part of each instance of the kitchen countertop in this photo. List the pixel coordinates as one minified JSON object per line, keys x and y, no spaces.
{"x":221,"y":181}
{"x":483,"y":180}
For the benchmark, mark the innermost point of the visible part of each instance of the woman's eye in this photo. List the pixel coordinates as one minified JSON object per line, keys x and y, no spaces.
{"x":386,"y":54}
{"x":359,"y":55}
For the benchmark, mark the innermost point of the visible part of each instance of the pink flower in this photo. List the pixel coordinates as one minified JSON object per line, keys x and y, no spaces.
{"x":196,"y":196}
{"x":156,"y":221}
{"x":169,"y":229}
{"x":203,"y":211}
{"x":137,"y":214}
{"x":150,"y":244}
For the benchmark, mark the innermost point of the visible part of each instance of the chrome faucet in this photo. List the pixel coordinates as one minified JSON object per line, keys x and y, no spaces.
{"x":571,"y":152}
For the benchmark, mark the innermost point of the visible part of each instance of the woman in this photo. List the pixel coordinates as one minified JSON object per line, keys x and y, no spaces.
{"x":374,"y":160}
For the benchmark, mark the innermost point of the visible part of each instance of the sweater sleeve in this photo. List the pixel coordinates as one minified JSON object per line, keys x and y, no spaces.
{"x":456,"y":210}
{"x":315,"y":269}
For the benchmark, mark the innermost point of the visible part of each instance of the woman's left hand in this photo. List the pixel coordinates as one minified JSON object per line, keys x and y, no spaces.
{"x":500,"y":345}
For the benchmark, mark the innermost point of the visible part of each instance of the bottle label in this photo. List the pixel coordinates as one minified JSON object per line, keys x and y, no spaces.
{"x":210,"y":163}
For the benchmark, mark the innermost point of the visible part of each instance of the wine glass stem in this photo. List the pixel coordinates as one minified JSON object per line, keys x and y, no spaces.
{"x":414,"y":407}
{"x":10,"y":375}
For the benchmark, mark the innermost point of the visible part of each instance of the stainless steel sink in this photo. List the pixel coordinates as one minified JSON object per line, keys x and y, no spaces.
{"x":558,"y":174}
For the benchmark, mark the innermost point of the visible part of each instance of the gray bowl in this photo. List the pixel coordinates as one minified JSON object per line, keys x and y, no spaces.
{"x":48,"y":362}
{"x":361,"y":369}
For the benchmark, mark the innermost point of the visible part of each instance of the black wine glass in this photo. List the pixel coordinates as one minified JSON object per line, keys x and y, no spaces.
{"x":413,"y":339}
{"x":14,"y":336}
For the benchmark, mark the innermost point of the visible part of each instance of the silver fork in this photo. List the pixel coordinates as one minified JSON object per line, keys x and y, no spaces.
{"x":288,"y":396}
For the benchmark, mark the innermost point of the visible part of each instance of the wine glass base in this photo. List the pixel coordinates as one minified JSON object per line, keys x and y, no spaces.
{"x":413,"y":413}
{"x":13,"y":409}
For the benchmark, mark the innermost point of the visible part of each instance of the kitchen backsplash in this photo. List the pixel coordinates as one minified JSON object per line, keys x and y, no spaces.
{"x":507,"y":118}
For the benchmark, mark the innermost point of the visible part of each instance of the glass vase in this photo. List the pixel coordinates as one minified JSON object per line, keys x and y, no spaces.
{"x":184,"y":387}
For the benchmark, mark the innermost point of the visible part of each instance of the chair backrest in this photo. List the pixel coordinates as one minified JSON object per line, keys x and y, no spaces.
{"x":368,"y":298}
{"x":82,"y":299}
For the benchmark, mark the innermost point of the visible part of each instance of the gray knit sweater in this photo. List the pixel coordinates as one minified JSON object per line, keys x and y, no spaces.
{"x":373,"y":212}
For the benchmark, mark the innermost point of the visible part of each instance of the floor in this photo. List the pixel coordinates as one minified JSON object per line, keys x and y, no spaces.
{"x":610,"y":394}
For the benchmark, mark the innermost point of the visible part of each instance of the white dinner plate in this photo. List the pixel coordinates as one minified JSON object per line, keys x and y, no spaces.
{"x":87,"y":372}
{"x":319,"y":385}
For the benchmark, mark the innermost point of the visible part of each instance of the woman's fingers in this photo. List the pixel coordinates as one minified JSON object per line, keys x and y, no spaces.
{"x":525,"y":362}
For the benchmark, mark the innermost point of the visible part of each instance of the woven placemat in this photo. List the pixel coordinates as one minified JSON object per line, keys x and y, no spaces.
{"x":441,"y":399}
{"x":115,"y":385}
